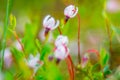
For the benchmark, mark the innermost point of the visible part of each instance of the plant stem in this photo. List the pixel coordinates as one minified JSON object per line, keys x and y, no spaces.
{"x":46,"y":38}
{"x":59,"y":30}
{"x":70,"y":67}
{"x":109,"y":35}
{"x":16,"y":36}
{"x":79,"y":59}
{"x":8,"y":9}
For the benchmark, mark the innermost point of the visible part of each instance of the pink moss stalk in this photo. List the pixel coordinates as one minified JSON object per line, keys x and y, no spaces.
{"x":17,"y":38}
{"x":79,"y":59}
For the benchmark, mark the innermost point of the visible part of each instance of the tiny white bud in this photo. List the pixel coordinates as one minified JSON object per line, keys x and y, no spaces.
{"x":61,"y":52}
{"x":61,"y":40}
{"x":85,"y":59}
{"x":49,"y":23}
{"x":70,"y":11}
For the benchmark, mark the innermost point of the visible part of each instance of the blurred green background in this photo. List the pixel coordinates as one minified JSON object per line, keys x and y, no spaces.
{"x":92,"y":23}
{"x":93,"y":26}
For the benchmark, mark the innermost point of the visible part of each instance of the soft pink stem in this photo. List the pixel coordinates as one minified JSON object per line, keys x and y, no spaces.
{"x":70,"y":67}
{"x":79,"y":59}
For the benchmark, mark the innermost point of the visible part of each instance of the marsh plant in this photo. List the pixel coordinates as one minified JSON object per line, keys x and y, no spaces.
{"x":28,"y":58}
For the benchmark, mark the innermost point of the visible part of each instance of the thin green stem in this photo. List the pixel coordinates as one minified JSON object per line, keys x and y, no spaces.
{"x":109,"y":35}
{"x":8,"y":9}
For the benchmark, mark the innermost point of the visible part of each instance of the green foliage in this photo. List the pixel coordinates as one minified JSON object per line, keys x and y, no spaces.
{"x":53,"y":73}
{"x":98,"y":76}
{"x":91,"y":72}
{"x":8,"y":76}
{"x":46,"y":49}
{"x":104,"y":57}
{"x":107,"y":70}
{"x":115,"y":29}
{"x":29,"y":39}
{"x":49,"y":71}
{"x":116,"y":32}
{"x":18,"y":55}
{"x":96,"y":67}
{"x":12,"y":22}
{"x":21,"y":64}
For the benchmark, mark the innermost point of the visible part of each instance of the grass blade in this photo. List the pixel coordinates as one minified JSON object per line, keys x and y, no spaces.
{"x":8,"y":9}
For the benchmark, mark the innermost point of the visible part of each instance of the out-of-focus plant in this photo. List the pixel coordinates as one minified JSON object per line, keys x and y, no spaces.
{"x":8,"y":10}
{"x":112,"y":32}
{"x":90,"y":70}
